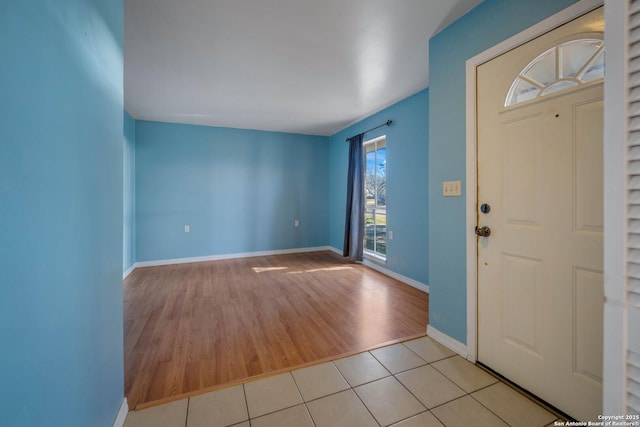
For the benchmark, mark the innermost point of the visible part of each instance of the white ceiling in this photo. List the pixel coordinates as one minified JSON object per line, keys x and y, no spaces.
{"x":303,"y":66}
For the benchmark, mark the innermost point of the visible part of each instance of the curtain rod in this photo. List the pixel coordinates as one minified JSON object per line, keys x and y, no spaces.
{"x":388,"y":123}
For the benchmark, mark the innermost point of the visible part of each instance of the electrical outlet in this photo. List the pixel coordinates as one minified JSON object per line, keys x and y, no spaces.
{"x":451,"y":188}
{"x":187,"y":228}
{"x":296,"y":223}
{"x":390,"y":235}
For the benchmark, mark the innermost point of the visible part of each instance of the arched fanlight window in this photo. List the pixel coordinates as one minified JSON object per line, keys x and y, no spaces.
{"x":564,"y":66}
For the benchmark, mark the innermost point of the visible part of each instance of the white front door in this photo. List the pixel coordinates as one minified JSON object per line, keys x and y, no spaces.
{"x":540,"y":177}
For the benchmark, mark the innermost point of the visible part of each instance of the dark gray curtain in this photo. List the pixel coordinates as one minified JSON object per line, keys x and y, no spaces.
{"x":354,"y":222}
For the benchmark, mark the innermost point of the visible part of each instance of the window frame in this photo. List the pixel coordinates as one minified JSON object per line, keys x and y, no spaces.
{"x":556,"y":52}
{"x":368,"y":253}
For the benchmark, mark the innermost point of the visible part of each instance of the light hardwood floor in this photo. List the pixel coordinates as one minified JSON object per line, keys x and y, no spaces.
{"x":195,"y":327}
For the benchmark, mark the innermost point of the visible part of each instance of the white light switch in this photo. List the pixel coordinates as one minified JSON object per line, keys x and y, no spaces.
{"x":187,"y":229}
{"x":451,"y":188}
{"x":390,"y":235}
{"x":296,"y":223}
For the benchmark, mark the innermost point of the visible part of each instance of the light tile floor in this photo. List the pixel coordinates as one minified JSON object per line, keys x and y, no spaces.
{"x":415,"y":383}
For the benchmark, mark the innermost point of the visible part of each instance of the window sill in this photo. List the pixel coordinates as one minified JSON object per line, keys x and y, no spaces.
{"x":375,"y":257}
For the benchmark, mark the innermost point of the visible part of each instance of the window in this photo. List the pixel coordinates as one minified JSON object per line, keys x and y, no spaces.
{"x":565,"y":66}
{"x":375,"y":193}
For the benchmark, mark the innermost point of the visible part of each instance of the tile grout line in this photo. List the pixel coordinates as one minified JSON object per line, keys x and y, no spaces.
{"x":433,"y":361}
{"x":497,"y":380}
{"x":439,"y":420}
{"x":246,"y":404}
{"x":414,"y":396}
{"x":353,"y":390}
{"x":489,"y":409}
{"x":340,"y":372}
{"x":481,"y":404}
{"x":410,"y":392}
{"x":304,"y":402}
{"x":356,"y":393}
{"x":186,"y":418}
{"x":309,"y":413}
{"x":411,"y":416}
{"x":286,"y":407}
{"x":366,"y":407}
{"x":380,"y":362}
{"x":454,"y":383}
{"x":327,"y":395}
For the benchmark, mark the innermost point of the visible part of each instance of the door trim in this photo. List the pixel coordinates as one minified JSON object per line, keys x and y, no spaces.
{"x":554,"y":21}
{"x":614,"y":388}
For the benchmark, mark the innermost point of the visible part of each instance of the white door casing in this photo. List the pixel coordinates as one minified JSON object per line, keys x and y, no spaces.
{"x":540,"y":294}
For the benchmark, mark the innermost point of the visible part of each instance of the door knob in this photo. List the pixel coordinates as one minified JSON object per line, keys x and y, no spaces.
{"x":483,"y":231}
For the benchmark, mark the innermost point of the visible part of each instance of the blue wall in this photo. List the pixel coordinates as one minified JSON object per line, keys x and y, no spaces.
{"x":485,"y":26}
{"x":407,"y":178}
{"x":129,"y":193}
{"x":238,"y":190}
{"x":61,"y":213}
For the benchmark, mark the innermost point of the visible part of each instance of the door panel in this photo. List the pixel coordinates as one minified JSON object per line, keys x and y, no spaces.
{"x":520,"y":312}
{"x":587,"y":324}
{"x":589,"y":190}
{"x":521,"y":142}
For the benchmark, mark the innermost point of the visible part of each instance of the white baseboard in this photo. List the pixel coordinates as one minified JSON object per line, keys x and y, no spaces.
{"x":404,"y":279}
{"x":128,"y":271}
{"x":447,"y":341}
{"x":336,"y":250}
{"x":228,"y":256}
{"x":122,"y":414}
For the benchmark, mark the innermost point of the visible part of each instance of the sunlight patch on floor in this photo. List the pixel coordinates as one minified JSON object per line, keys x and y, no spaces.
{"x":320,"y":269}
{"x":264,"y":269}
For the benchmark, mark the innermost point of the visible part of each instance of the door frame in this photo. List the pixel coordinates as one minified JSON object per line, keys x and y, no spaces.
{"x":554,"y":21}
{"x":616,"y":308}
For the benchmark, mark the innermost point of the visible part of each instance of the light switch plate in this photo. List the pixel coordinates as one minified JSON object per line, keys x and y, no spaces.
{"x":451,"y":188}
